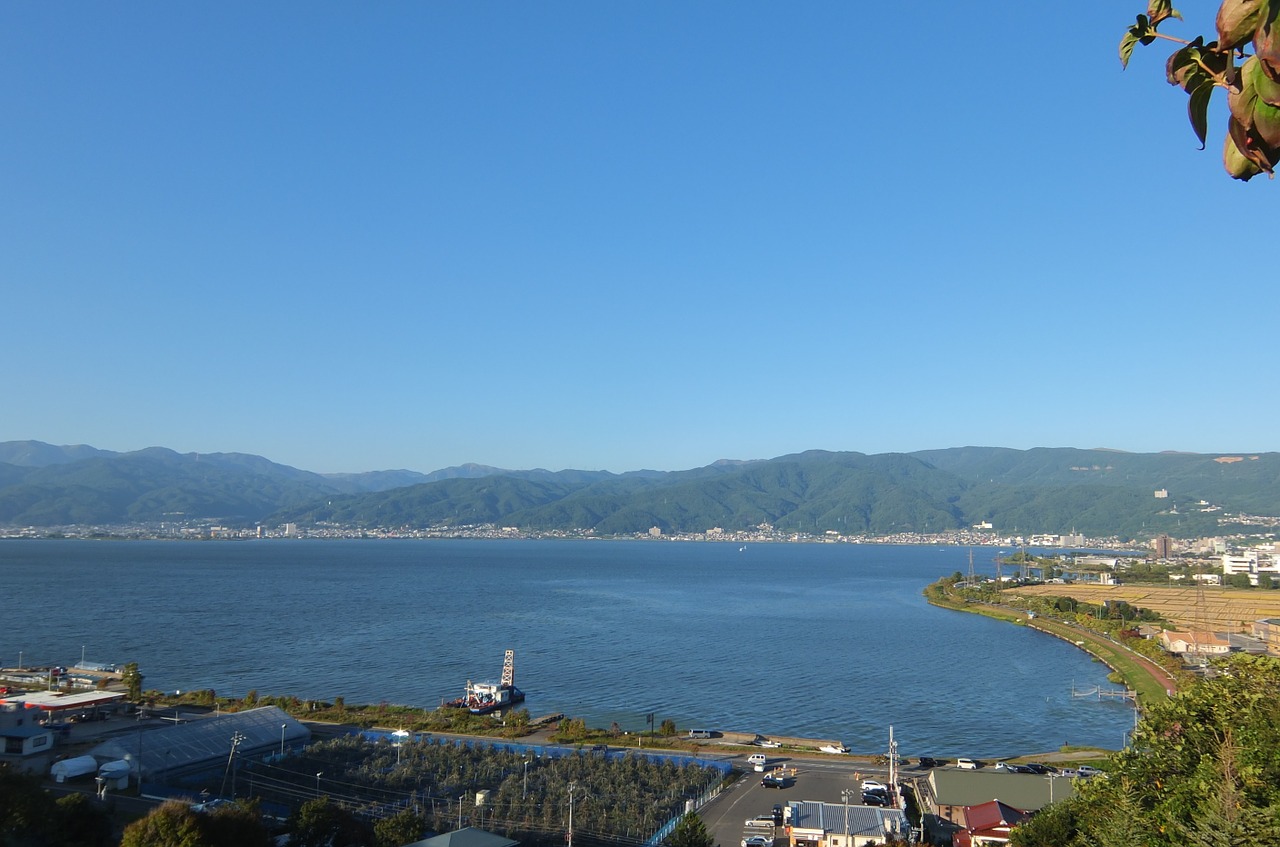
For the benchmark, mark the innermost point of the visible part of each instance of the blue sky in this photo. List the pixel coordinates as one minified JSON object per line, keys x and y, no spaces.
{"x":618,"y":235}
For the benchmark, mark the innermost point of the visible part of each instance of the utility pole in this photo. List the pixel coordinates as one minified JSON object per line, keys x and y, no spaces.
{"x":573,"y":786}
{"x":893,"y":766}
{"x":236,"y":738}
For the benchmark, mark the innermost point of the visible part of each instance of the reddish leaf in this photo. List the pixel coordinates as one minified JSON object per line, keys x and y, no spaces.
{"x":1266,"y":46}
{"x":1238,"y":20}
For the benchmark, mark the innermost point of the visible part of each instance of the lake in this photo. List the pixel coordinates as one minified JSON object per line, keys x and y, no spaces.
{"x":815,"y":640}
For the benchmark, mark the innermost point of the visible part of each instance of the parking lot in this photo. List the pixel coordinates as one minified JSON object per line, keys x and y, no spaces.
{"x":820,"y":779}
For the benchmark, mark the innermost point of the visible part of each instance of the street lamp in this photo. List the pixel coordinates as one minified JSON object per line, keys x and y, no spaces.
{"x":845,"y":794}
{"x":524,"y":790}
{"x":318,"y":782}
{"x":282,"y":727}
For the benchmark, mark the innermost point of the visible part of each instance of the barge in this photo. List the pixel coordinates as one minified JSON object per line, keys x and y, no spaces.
{"x":481,"y":698}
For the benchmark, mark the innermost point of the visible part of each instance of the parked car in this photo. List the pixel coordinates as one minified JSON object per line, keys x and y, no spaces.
{"x":757,"y":841}
{"x":775,"y":781}
{"x":874,"y":785}
{"x":1043,"y":770}
{"x":871,"y":798}
{"x":1009,"y":767}
{"x":1086,"y":771}
{"x":967,"y":764}
{"x":761,"y":820}
{"x":929,"y":762}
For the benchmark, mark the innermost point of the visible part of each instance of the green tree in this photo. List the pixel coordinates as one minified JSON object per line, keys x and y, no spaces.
{"x":1239,"y":580}
{"x":24,"y":807}
{"x":402,"y":828}
{"x":667,"y":728}
{"x":172,"y":824}
{"x":1204,"y":768}
{"x":132,"y":680}
{"x":320,"y":823}
{"x":690,"y":831}
{"x":238,"y":824}
{"x":1252,"y":142}
{"x":79,"y":823}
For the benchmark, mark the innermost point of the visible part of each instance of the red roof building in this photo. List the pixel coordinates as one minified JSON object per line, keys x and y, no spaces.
{"x":988,"y":823}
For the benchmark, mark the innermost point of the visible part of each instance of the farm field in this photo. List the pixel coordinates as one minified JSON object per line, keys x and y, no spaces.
{"x":1211,"y":608}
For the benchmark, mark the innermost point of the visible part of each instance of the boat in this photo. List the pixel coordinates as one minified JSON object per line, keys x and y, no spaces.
{"x":834,"y":748}
{"x":481,"y":698}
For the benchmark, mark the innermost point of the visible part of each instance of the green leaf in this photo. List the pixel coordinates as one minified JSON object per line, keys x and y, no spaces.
{"x":1253,"y":75}
{"x":1266,"y":123}
{"x":1159,"y":10}
{"x":1198,"y":109}
{"x":1183,"y":65}
{"x":1126,"y":48}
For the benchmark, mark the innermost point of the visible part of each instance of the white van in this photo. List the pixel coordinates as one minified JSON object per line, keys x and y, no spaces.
{"x":699,"y":733}
{"x":757,"y":758}
{"x":967,"y":764}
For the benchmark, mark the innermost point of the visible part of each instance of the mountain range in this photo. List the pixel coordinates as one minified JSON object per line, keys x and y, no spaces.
{"x":1098,"y":492}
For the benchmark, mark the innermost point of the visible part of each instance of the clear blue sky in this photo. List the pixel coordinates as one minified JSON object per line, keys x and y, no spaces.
{"x":618,"y":235}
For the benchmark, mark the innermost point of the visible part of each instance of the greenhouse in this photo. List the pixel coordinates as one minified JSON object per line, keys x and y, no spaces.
{"x":206,"y":743}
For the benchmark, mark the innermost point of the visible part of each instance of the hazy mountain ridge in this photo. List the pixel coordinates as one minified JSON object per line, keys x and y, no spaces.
{"x":1099,"y":492}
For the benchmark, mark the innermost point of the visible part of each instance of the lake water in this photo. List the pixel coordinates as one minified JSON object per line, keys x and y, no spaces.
{"x":824,"y":641}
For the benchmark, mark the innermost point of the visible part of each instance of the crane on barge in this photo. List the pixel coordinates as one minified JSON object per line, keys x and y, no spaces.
{"x":481,"y":698}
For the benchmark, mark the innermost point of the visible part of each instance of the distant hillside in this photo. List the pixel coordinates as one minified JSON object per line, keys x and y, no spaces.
{"x":1097,"y":492}
{"x":151,"y":485}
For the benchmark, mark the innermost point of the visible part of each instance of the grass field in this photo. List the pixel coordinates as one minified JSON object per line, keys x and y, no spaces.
{"x":1210,"y":608}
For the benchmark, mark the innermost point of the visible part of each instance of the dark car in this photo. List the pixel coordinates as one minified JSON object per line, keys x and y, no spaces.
{"x":929,"y":762}
{"x":772,"y":781}
{"x":1043,"y":770}
{"x":874,"y":798}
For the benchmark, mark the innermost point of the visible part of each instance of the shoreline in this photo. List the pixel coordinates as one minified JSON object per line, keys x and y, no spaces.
{"x":1146,"y":681}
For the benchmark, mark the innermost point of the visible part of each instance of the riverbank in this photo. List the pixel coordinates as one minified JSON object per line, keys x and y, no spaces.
{"x":1149,"y":682}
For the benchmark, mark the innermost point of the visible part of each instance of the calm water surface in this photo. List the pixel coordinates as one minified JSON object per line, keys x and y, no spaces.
{"x":827,"y":641}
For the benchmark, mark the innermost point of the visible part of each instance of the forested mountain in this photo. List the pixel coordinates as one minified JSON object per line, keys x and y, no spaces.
{"x":1097,"y":492}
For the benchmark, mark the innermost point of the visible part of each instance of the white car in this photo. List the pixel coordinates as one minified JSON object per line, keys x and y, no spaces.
{"x":873,"y":785}
{"x":757,"y":841}
{"x":967,"y":764}
{"x":1086,"y":771}
{"x":757,"y":758}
